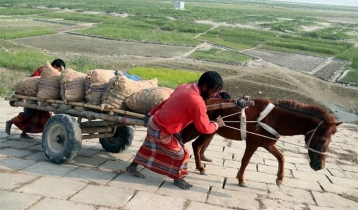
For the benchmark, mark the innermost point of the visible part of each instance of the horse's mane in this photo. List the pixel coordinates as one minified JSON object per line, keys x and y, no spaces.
{"x":313,"y":110}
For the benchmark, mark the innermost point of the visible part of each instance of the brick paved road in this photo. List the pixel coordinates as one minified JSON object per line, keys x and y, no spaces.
{"x":95,"y":178}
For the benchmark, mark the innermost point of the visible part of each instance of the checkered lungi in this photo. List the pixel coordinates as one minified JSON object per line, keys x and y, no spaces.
{"x":31,"y":120}
{"x":163,"y":153}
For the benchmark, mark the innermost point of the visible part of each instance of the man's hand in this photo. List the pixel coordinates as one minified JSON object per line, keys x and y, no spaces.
{"x":146,"y":118}
{"x":243,"y":102}
{"x":220,"y":121}
{"x":246,"y":97}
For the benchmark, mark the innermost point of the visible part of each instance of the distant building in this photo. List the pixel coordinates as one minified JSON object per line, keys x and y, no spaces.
{"x":178,"y":5}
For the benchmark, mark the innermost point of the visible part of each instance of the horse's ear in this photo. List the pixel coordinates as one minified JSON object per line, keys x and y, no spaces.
{"x":337,"y":123}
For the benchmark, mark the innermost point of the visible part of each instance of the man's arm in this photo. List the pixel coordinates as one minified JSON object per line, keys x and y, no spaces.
{"x":201,"y":120}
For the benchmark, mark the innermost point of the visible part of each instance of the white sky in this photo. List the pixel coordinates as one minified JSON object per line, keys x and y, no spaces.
{"x":333,"y":2}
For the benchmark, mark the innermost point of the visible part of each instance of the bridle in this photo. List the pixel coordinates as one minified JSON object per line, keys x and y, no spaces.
{"x":268,"y":128}
{"x":309,"y":141}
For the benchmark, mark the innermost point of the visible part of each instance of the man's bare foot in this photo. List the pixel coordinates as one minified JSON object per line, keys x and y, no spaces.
{"x":8,"y":127}
{"x":203,"y":158}
{"x":132,"y":170}
{"x":181,"y":183}
{"x":25,"y":136}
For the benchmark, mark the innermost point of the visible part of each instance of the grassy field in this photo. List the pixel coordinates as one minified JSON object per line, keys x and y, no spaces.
{"x":351,"y":77}
{"x":27,"y":61}
{"x":166,"y":77}
{"x":19,"y":28}
{"x":351,"y":55}
{"x":142,"y":35}
{"x":22,"y":64}
{"x":269,"y":25}
{"x":248,"y":38}
{"x":237,"y":39}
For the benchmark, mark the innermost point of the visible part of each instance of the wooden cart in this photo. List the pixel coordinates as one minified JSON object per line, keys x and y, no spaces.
{"x":63,"y":133}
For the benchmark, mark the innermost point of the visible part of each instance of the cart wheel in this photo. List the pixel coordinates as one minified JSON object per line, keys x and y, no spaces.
{"x":61,"y":139}
{"x":121,"y":140}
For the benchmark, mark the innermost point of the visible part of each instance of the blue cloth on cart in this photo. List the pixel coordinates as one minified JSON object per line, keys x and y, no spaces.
{"x":131,"y":76}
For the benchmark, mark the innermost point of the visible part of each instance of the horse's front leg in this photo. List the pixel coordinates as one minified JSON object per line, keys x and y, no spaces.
{"x":249,"y":151}
{"x":197,"y":145}
{"x":203,"y":149}
{"x":281,"y":162}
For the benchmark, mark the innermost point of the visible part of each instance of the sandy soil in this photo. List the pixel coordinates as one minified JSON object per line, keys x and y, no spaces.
{"x":97,"y":46}
{"x":273,"y":75}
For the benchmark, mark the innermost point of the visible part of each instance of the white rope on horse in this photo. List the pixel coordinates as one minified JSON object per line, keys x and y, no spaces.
{"x":252,"y":133}
{"x":263,"y":114}
{"x":268,"y":128}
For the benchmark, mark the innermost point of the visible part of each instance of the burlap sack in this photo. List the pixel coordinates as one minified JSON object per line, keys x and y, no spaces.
{"x":120,"y":88}
{"x":96,"y":84}
{"x":49,"y":87}
{"x":28,"y":86}
{"x":72,"y":85}
{"x":143,"y":101}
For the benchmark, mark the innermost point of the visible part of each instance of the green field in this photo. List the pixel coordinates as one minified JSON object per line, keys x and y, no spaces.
{"x":268,"y":25}
{"x":166,"y":77}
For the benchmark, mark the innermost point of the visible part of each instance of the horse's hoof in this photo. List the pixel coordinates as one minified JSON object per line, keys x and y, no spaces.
{"x":243,"y":184}
{"x":202,"y":172}
{"x":279,"y":184}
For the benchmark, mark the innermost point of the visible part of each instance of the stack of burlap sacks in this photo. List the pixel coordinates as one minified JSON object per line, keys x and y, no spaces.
{"x":105,"y":88}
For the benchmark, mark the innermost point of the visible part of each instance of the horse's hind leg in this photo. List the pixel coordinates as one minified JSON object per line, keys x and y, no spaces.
{"x":197,"y":145}
{"x":249,"y":151}
{"x":281,"y":161}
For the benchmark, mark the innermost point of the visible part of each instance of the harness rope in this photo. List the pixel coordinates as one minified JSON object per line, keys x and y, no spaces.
{"x":268,"y":128}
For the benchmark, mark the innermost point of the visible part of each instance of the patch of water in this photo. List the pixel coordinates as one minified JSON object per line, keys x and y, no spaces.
{"x":343,"y":115}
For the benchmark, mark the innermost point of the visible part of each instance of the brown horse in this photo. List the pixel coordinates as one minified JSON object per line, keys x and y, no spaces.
{"x":286,"y":118}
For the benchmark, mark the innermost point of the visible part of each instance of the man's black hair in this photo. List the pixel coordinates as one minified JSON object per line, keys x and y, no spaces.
{"x":211,"y":79}
{"x":58,"y":62}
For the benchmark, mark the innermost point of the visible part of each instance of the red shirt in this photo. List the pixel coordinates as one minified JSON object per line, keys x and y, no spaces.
{"x":38,"y":72}
{"x":185,"y":105}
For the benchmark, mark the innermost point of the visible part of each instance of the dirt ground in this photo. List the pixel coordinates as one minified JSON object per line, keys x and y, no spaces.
{"x":267,"y":77}
{"x":259,"y":79}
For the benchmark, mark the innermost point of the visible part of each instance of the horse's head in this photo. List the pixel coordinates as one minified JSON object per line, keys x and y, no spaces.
{"x":317,"y":142}
{"x":316,"y":124}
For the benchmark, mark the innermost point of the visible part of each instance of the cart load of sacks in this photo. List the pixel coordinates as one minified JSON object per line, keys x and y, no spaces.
{"x":108,"y":89}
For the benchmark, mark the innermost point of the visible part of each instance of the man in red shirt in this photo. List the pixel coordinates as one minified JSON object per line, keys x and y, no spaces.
{"x":163,"y":151}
